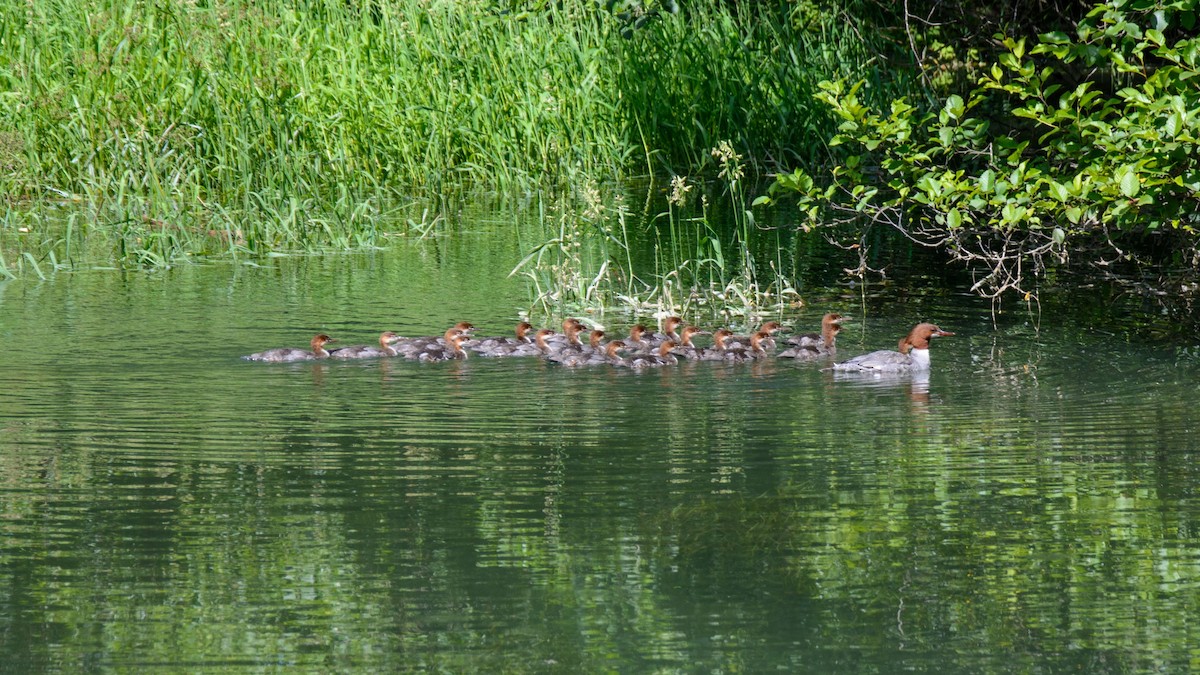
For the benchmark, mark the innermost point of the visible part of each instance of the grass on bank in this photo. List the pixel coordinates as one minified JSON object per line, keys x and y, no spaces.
{"x":145,"y":133}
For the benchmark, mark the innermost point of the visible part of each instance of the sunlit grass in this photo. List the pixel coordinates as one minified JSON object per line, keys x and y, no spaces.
{"x":234,"y":128}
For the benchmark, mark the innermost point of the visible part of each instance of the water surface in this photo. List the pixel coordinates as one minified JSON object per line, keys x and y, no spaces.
{"x":1030,"y":505}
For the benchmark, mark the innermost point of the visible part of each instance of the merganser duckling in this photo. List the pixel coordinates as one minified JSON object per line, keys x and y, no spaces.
{"x":569,"y":325}
{"x":686,"y":349}
{"x":912,"y":357}
{"x":669,"y":325}
{"x":283,"y":354}
{"x":437,"y":352}
{"x":572,"y":343}
{"x":538,"y":347}
{"x":814,"y":345}
{"x":717,"y":351}
{"x":637,"y":341}
{"x":607,"y":355}
{"x":743,"y":341}
{"x":594,"y":346}
{"x":385,"y":348}
{"x":757,"y":349}
{"x":489,"y":343}
{"x":663,"y":357}
{"x":463,"y":327}
{"x":409,"y":346}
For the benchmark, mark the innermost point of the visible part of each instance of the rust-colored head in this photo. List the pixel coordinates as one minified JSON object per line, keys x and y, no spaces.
{"x":919,"y":336}
{"x":688,"y":333}
{"x":666,"y":347}
{"x":613,"y":347}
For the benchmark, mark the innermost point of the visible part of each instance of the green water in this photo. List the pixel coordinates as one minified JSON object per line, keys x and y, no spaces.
{"x":1032,"y":505}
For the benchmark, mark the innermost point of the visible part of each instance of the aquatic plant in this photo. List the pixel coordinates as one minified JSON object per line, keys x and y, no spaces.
{"x":587,"y":265}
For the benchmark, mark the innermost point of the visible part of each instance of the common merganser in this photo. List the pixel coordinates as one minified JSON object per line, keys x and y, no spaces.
{"x":743,"y":341}
{"x":913,"y":355}
{"x":572,"y":343}
{"x":637,"y":341}
{"x":757,"y":349}
{"x":717,"y":351}
{"x":407,"y":347}
{"x":489,"y":343}
{"x":686,"y":349}
{"x":574,"y":358}
{"x":385,"y":348}
{"x":538,"y":347}
{"x":283,"y":354}
{"x":668,"y":326}
{"x":463,"y":327}
{"x":663,"y":357}
{"x":594,"y":346}
{"x":571,"y":328}
{"x":438,"y":352}
{"x":815,"y":345}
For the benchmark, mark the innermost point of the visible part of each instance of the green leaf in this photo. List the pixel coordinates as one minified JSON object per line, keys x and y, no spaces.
{"x":1059,"y":235}
{"x":955,"y":106}
{"x":954,"y":219}
{"x":1130,"y":185}
{"x":987,"y":181}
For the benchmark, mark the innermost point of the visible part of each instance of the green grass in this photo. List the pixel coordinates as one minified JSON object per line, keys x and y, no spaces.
{"x":168,"y":131}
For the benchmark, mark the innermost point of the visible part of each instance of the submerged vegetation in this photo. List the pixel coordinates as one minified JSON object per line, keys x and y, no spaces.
{"x":238,"y":128}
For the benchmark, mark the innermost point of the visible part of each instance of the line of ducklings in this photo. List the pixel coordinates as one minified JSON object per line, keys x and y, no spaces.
{"x":641,"y":349}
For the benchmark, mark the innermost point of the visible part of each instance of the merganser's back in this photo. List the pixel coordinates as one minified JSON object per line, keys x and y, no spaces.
{"x":913,"y":355}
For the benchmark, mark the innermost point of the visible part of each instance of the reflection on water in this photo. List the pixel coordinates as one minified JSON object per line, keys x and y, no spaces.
{"x":1027,"y":505}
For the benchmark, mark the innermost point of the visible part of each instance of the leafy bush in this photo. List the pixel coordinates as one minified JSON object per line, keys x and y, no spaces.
{"x":1084,"y":145}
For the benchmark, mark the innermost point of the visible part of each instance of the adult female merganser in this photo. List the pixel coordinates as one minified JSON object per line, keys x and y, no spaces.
{"x":663,"y":357}
{"x":815,"y":345}
{"x":385,"y":348}
{"x":489,"y":343}
{"x":743,"y":341}
{"x":282,"y":354}
{"x":439,"y":352}
{"x":686,"y":349}
{"x":913,"y":355}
